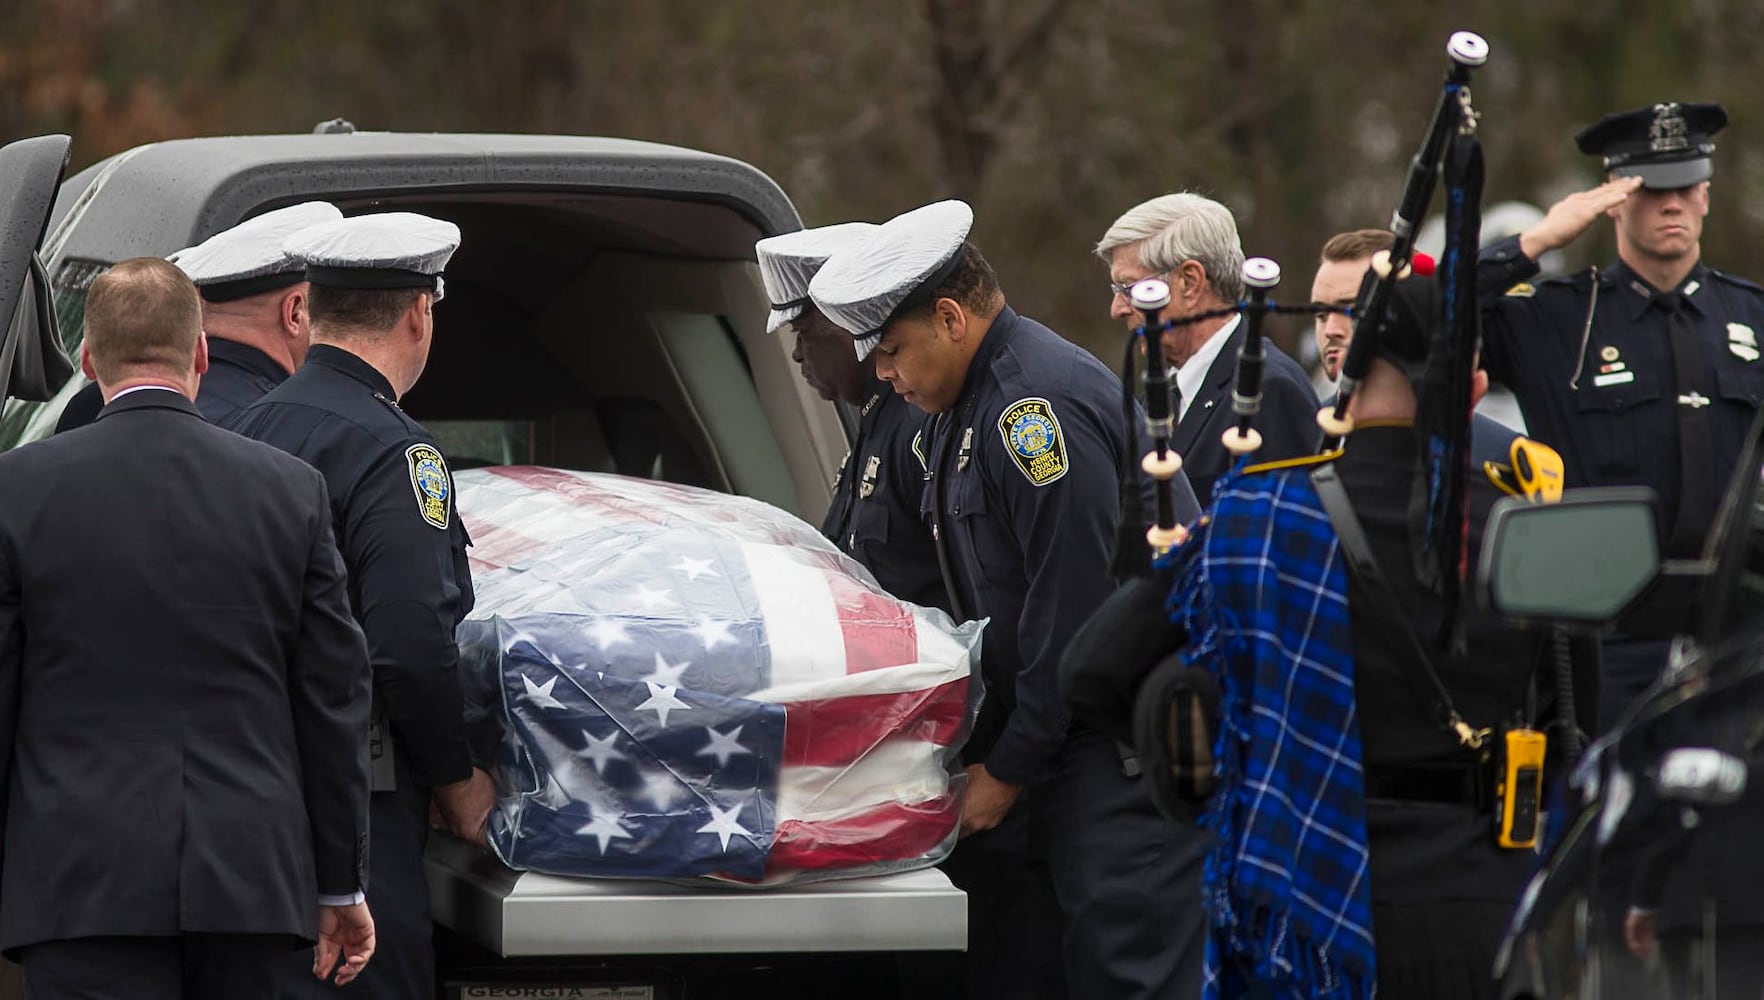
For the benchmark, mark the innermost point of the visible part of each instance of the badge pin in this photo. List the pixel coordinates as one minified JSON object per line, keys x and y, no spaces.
{"x":1694,"y":400}
{"x":872,"y":468}
{"x":1608,"y":353}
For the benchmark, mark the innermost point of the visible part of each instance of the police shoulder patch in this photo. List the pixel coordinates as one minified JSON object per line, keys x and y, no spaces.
{"x":429,"y":480}
{"x":1031,"y":435}
{"x":1523,"y":290}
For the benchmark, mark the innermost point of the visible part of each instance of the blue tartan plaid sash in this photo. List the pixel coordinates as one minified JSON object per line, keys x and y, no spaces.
{"x":1261,"y":588}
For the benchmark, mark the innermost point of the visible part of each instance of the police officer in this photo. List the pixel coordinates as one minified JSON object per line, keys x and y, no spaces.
{"x":874,"y":517}
{"x":1340,"y":757}
{"x":1023,"y":460}
{"x":375,"y":280}
{"x":1645,"y":372}
{"x":253,"y":310}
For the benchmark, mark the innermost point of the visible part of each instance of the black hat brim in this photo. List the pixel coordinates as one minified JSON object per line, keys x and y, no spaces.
{"x":1670,"y":175}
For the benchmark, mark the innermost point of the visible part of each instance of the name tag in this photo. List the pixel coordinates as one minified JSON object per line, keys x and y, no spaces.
{"x":1615,"y":378}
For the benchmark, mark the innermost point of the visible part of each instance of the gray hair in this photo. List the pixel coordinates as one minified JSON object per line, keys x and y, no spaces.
{"x":1181,"y":227}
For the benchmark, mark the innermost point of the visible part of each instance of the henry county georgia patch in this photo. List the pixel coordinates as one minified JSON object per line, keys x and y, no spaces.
{"x":1032,"y":436}
{"x":428,"y":477}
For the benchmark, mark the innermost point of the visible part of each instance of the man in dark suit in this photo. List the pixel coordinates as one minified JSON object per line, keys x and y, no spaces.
{"x":1191,"y":242}
{"x":375,"y":280}
{"x":253,"y":312}
{"x":183,"y":693}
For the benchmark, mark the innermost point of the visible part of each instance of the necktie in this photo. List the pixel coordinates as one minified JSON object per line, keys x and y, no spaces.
{"x":1696,"y":446}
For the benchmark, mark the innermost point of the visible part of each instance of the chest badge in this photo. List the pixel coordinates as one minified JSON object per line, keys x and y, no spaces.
{"x":429,"y":480}
{"x":1742,"y":341}
{"x":872,"y":469}
{"x":1608,"y":353}
{"x":1031,"y":434}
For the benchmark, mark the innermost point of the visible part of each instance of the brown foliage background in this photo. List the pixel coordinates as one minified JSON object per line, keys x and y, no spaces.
{"x":1051,"y":116}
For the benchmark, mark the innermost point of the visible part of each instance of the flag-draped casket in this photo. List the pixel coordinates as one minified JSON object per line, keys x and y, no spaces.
{"x":688,"y":683}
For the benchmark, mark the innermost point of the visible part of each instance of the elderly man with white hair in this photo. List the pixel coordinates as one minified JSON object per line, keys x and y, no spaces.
{"x":1191,"y":242}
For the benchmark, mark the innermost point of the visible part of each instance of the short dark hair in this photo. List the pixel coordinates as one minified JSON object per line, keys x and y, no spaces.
{"x":1357,"y":244}
{"x":143,"y":313}
{"x":360,"y":310}
{"x":973,"y":284}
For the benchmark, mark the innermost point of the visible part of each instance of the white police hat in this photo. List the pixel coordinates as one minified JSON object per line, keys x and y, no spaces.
{"x":248,"y":259}
{"x":787,"y":263}
{"x":895,"y":268}
{"x":385,"y":250}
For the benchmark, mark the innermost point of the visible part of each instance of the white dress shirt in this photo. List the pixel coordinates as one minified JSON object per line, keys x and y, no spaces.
{"x":1193,"y":373}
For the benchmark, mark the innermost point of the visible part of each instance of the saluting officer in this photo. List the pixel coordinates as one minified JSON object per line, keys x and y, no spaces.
{"x":1023,"y":490}
{"x":1645,"y":372}
{"x":874,"y":517}
{"x":375,"y":280}
{"x":253,"y":311}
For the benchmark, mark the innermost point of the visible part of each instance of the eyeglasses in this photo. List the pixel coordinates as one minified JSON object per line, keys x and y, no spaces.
{"x":1125,"y":289}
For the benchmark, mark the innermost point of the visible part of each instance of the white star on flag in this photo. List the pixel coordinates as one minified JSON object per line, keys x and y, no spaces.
{"x":713,"y":634}
{"x":651,"y":598}
{"x":604,"y":827}
{"x":600,"y":751}
{"x":724,"y":824}
{"x":722,"y":747}
{"x":662,"y":789}
{"x":540,"y":694}
{"x":667,"y":673}
{"x":694,"y":568}
{"x":661,"y":701}
{"x":608,"y":633}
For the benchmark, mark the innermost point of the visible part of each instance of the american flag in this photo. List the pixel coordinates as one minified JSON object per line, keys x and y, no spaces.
{"x":696,"y":684}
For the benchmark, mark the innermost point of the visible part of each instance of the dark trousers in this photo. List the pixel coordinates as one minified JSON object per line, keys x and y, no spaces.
{"x":1627,"y":667}
{"x":1014,"y":923}
{"x":1128,"y":878}
{"x":403,"y":966}
{"x":183,"y":967}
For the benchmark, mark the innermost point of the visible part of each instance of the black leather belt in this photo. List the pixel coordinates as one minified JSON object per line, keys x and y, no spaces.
{"x":1466,"y":784}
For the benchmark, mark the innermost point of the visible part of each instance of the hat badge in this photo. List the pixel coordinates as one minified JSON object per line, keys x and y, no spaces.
{"x":1668,"y":132}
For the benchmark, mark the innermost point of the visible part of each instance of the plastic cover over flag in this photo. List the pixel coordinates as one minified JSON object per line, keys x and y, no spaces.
{"x":692,"y":684}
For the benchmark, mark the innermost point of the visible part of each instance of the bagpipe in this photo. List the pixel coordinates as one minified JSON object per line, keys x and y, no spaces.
{"x":1123,"y":671}
{"x":1150,"y":297}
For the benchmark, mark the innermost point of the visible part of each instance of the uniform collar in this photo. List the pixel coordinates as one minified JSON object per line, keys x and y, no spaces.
{"x":990,"y":345}
{"x":245,"y":356}
{"x":1637,"y":294}
{"x":339,"y":360}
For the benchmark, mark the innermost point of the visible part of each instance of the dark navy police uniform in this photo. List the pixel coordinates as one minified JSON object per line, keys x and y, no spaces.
{"x":238,"y":375}
{"x":1606,"y":394}
{"x":409,"y":587}
{"x":876,"y":500}
{"x":1025,"y":491}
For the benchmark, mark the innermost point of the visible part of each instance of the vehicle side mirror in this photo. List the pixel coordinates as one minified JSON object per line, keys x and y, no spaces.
{"x":1701,"y":775}
{"x":1581,"y":561}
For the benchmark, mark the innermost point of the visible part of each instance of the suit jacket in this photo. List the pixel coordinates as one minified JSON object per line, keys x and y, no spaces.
{"x":183,"y":693}
{"x":1287,"y":419}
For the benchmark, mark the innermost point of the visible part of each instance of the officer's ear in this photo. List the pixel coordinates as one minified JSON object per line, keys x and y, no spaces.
{"x":294,"y":314}
{"x":949,"y":319}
